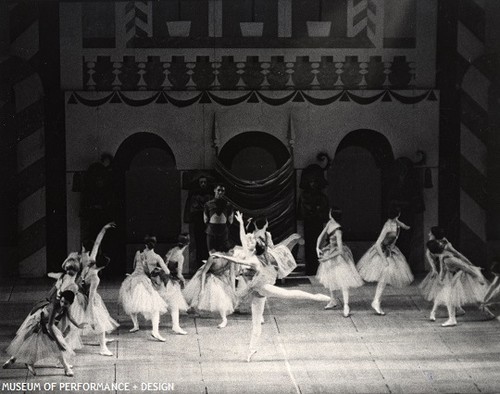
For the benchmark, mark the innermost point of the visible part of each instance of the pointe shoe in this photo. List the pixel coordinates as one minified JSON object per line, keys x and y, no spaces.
{"x":109,"y":340}
{"x":460,"y":311}
{"x":222,"y":324}
{"x":8,"y":363}
{"x":262,"y":321}
{"x":449,"y":323}
{"x":158,"y":337}
{"x":105,"y":352}
{"x":332,"y":304}
{"x":347,"y":311}
{"x":432,"y":316}
{"x":376,"y":306}
{"x":59,"y":365}
{"x":179,"y":331}
{"x":134,"y":329}
{"x":31,"y":369}
{"x":69,"y":372}
{"x":250,"y":355}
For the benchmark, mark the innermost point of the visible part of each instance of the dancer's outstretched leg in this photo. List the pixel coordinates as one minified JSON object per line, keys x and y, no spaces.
{"x":135,"y":321}
{"x":258,"y":304}
{"x":345,"y":296}
{"x":333,"y":302}
{"x":104,"y":347}
{"x":378,"y":296}
{"x":174,"y":314}
{"x":273,"y":291}
{"x":155,"y":322}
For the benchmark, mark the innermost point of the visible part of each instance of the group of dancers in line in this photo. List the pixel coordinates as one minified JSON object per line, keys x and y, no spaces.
{"x":54,"y":327}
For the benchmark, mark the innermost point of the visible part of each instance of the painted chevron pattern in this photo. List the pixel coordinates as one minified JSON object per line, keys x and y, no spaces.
{"x":366,"y":17}
{"x":138,"y":16}
{"x":475,"y":85}
{"x":27,"y":98}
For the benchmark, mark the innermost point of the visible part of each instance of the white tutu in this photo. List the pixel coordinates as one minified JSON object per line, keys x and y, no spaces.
{"x":32,"y":343}
{"x":461,"y":289}
{"x":337,"y":271}
{"x":137,"y":295}
{"x":173,"y":296}
{"x":98,"y":318}
{"x":373,"y":268}
{"x":430,"y":286}
{"x":218,"y":295}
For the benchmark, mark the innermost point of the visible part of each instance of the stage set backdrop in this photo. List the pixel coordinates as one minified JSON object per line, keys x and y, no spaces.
{"x":296,"y":105}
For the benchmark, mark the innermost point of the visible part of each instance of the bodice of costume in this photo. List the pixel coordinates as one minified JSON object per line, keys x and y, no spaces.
{"x":391,"y":229}
{"x":173,"y":267}
{"x":219,"y":267}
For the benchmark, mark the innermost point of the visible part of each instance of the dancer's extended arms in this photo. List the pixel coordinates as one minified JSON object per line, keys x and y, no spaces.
{"x":250,"y":261}
{"x":98,"y":240}
{"x":449,"y":247}
{"x":430,"y":260}
{"x":162,"y":264}
{"x":204,"y":271}
{"x":474,"y":271}
{"x":402,"y":225}
{"x":243,"y":235}
{"x":378,"y":243}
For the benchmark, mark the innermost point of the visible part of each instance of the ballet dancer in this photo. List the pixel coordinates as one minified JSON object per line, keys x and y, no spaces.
{"x":172,"y":292}
{"x":383,"y":262}
{"x":212,"y":289}
{"x":262,"y":286}
{"x":40,"y":337}
{"x":140,"y":292}
{"x":460,"y":283}
{"x":336,"y":269}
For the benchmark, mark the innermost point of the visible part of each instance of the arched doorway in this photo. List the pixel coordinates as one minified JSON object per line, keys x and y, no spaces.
{"x":149,"y":183}
{"x":357,"y":183}
{"x":260,"y":179}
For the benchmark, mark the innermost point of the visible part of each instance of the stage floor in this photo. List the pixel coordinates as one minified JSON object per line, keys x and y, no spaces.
{"x":304,"y":349}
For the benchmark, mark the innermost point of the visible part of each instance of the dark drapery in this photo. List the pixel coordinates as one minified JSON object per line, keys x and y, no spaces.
{"x":272,"y":197}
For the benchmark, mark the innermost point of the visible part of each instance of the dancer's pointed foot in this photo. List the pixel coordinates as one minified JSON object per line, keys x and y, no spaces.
{"x":105,"y":352}
{"x":347,"y":311}
{"x":134,"y":329}
{"x":222,"y":324}
{"x":31,"y":369}
{"x":250,"y":355}
{"x":449,"y":323}
{"x":332,"y":304}
{"x":460,"y":311}
{"x":432,"y":316}
{"x":179,"y":331}
{"x":9,"y":362}
{"x":376,"y":306}
{"x":158,"y":337}
{"x":109,"y":340}
{"x":69,"y":372}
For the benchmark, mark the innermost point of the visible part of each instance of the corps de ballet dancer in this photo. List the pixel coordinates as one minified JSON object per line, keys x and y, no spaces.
{"x":336,"y":269}
{"x":212,"y":289}
{"x":460,"y":283}
{"x":139,"y":294}
{"x":383,"y":262}
{"x":95,"y":312}
{"x":40,"y":337}
{"x":172,"y":293}
{"x":262,"y":286}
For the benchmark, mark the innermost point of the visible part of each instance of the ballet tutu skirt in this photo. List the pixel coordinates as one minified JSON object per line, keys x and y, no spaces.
{"x":218,"y":295}
{"x":373,"y":268}
{"x":32,"y":342}
{"x":98,"y":318}
{"x":337,"y":271}
{"x":460,"y":289}
{"x":137,"y":295}
{"x":430,"y":286}
{"x":173,"y":296}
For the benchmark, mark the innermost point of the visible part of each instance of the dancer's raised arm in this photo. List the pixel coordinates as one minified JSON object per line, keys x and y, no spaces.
{"x":402,"y":225}
{"x":98,"y":240}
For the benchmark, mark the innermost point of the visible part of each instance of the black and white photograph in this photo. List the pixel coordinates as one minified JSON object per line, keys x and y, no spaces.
{"x":250,"y":196}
